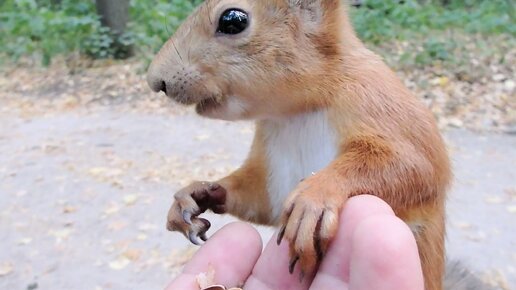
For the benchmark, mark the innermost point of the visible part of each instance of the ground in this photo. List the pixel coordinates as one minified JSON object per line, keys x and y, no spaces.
{"x":87,"y":179}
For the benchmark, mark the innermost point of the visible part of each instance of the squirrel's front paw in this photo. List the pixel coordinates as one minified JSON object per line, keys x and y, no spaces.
{"x":189,"y":203}
{"x":309,"y":222}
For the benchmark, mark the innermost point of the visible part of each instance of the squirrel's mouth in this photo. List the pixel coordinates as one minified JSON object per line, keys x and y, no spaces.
{"x":208,"y":104}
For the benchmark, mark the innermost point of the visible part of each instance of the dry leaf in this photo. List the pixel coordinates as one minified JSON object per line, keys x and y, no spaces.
{"x":206,"y":279}
{"x":511,"y":208}
{"x":202,"y":137}
{"x":462,"y":225}
{"x":111,"y":209}
{"x":24,"y":241}
{"x":6,"y":269}
{"x":69,"y":209}
{"x":117,"y":225}
{"x":61,"y":234}
{"x":493,"y":200}
{"x":215,"y":287}
{"x":130,"y":199}
{"x":443,"y":81}
{"x":119,"y":263}
{"x":96,"y":171}
{"x":141,"y":237}
{"x":132,"y":254}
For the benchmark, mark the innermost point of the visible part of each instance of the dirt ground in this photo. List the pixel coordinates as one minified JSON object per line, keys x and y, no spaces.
{"x":84,"y":189}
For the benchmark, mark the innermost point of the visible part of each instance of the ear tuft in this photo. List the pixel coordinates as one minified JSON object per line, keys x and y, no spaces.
{"x":314,"y":11}
{"x":310,"y":10}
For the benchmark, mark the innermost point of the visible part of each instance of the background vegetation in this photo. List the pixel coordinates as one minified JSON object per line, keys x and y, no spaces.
{"x":46,"y":28}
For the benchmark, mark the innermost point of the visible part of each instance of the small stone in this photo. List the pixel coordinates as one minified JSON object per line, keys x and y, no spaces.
{"x":455,"y":122}
{"x":509,"y":85}
{"x":498,"y":77}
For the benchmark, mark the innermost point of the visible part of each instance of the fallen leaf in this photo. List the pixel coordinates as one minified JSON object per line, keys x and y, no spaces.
{"x":6,"y":269}
{"x":117,"y":225}
{"x":120,"y":263}
{"x":147,"y":227}
{"x":111,"y":209}
{"x":511,"y":208}
{"x":69,"y":209}
{"x":477,"y":237}
{"x":24,"y":241}
{"x":202,"y":137}
{"x":206,"y":279}
{"x":132,"y":254}
{"x":130,"y":199}
{"x":493,"y":199}
{"x":96,"y":171}
{"x":462,"y":225}
{"x":61,"y":234}
{"x":443,"y":81}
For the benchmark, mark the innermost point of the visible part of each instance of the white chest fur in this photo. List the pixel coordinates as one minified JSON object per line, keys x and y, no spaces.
{"x":296,"y":148}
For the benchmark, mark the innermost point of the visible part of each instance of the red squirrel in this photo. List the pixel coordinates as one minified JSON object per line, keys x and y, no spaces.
{"x":332,"y":121}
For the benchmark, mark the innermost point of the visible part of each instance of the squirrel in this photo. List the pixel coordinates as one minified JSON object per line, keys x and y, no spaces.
{"x":332,"y":121}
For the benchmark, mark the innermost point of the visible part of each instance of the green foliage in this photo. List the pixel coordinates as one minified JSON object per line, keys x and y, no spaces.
{"x":44,"y":28}
{"x":153,"y":22}
{"x":383,"y":20}
{"x":29,"y":27}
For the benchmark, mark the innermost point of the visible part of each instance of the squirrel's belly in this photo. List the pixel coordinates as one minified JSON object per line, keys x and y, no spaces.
{"x":297,"y":147}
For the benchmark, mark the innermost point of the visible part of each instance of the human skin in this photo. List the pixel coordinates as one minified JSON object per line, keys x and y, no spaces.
{"x":373,"y":249}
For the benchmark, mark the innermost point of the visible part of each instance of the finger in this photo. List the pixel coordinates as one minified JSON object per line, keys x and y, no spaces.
{"x":285,"y":218}
{"x":306,"y":241}
{"x":231,"y":252}
{"x":334,"y":268}
{"x":385,"y":256}
{"x":271,"y":270}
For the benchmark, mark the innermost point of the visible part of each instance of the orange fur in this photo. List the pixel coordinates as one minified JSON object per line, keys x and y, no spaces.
{"x":296,"y":58}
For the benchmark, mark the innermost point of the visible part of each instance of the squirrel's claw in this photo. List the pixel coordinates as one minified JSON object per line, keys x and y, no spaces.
{"x":307,"y":225}
{"x":193,"y":238}
{"x":189,"y":203}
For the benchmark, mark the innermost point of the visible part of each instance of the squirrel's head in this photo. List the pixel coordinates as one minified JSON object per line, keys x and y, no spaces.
{"x":241,"y":59}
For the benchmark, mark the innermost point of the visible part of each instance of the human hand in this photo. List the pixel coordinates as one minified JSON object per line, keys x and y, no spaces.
{"x":373,"y":250}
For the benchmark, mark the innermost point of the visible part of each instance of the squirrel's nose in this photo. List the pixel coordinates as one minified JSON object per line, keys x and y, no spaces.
{"x":163,"y":87}
{"x":157,"y":84}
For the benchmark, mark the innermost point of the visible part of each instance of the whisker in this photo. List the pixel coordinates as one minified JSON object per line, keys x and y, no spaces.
{"x":209,"y":14}
{"x":177,"y":51}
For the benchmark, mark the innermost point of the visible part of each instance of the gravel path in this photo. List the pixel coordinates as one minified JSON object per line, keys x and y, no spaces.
{"x":84,"y":196}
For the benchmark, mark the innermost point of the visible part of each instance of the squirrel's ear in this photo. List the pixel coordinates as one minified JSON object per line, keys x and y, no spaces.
{"x":314,"y":10}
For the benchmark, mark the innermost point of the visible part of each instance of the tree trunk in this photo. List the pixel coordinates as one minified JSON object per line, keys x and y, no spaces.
{"x":56,"y":3}
{"x":114,"y":14}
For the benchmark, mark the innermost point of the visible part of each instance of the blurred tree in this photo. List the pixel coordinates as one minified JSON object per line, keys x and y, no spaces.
{"x":114,"y":14}
{"x":56,"y":3}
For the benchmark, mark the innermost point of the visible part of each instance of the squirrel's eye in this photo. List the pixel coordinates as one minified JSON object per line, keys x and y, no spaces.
{"x":233,"y":21}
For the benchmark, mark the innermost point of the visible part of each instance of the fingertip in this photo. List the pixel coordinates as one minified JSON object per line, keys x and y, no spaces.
{"x":385,"y":236}
{"x":337,"y":260}
{"x":359,"y":206}
{"x":385,"y":255}
{"x":231,"y":252}
{"x":272,"y":269}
